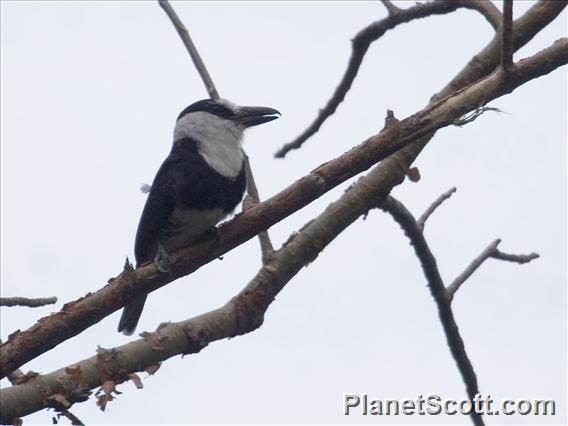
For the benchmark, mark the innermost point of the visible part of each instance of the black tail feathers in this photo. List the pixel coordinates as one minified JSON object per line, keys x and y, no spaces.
{"x":131,"y":315}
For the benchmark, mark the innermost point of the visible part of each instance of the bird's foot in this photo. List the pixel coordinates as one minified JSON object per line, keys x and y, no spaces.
{"x":162,"y":261}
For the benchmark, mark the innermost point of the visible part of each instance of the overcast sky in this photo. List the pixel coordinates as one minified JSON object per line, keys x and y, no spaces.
{"x":90,"y":93}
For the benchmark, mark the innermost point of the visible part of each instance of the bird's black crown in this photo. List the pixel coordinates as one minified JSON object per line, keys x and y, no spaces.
{"x":211,"y":106}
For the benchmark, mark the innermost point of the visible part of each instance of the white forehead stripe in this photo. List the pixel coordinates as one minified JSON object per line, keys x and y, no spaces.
{"x":218,"y":140}
{"x":227,"y":104}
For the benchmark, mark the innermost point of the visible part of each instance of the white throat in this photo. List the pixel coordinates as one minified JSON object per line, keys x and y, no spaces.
{"x":218,"y":140}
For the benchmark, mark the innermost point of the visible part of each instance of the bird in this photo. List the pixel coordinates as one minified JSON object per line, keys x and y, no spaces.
{"x":201,"y":182}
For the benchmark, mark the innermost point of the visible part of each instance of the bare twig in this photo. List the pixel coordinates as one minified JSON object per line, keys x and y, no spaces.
{"x":361,"y":43}
{"x":472,"y":267}
{"x":391,"y":8}
{"x":24,"y":301}
{"x":490,"y":252}
{"x":266,"y":247}
{"x":517,"y":258}
{"x":488,"y":10}
{"x":438,"y":291}
{"x":75,"y":421}
{"x":437,"y":203}
{"x":507,"y":35}
{"x":183,"y":33}
{"x":524,"y":29}
{"x":23,"y":346}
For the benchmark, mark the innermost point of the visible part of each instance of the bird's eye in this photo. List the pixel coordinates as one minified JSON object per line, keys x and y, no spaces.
{"x":221,"y":111}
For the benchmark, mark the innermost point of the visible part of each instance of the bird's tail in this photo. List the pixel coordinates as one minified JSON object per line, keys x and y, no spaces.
{"x":130,"y":316}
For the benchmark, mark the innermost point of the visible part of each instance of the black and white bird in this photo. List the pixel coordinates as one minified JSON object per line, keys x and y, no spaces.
{"x":201,"y":181}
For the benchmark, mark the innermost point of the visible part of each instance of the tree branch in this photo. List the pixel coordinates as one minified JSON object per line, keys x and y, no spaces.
{"x":15,"y":376}
{"x":81,"y":314}
{"x":472,"y":267}
{"x":490,"y":252}
{"x":371,"y":33}
{"x":24,"y":301}
{"x":517,"y":258}
{"x":391,"y":8}
{"x":488,"y":10}
{"x":243,"y":314}
{"x":507,"y":35}
{"x":437,"y":203}
{"x":359,"y":46}
{"x":438,"y":291}
{"x":75,"y":421}
{"x":265,"y":243}
{"x":266,"y":248}
{"x":524,"y":29}
{"x":192,"y":50}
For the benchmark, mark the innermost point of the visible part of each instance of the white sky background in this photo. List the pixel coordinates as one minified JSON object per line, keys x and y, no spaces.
{"x":90,"y":93}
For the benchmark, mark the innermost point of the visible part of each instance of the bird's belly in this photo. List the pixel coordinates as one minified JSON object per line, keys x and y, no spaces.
{"x":188,"y":224}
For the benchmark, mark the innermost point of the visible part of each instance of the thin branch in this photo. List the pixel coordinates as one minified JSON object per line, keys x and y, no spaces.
{"x":266,"y":247}
{"x":517,"y":258}
{"x":75,"y":421}
{"x":437,"y":203}
{"x":243,"y":314}
{"x":507,"y":35}
{"x":391,"y":8}
{"x":438,"y":291}
{"x":265,"y":243}
{"x":490,"y":252}
{"x":361,"y":43}
{"x":24,"y":301}
{"x":23,"y":346}
{"x":392,"y":168}
{"x":472,"y":267}
{"x":488,"y":10}
{"x":485,"y":61}
{"x":183,"y":33}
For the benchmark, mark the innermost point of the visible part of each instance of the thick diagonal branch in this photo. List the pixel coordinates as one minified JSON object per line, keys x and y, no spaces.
{"x":81,"y":314}
{"x":242,"y":314}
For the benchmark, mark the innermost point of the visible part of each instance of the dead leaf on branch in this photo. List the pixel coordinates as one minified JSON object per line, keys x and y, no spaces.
{"x":107,"y":389}
{"x":413,"y":174}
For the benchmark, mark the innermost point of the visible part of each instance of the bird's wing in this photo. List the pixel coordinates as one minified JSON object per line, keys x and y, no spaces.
{"x":157,"y":211}
{"x":184,"y":181}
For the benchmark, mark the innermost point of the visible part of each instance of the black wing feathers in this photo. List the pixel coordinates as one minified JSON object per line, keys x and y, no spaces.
{"x":184,"y":181}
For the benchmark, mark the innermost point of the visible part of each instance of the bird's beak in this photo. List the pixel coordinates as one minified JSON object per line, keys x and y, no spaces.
{"x":253,"y":116}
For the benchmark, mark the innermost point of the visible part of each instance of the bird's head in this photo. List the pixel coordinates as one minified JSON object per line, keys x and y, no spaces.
{"x":212,"y":116}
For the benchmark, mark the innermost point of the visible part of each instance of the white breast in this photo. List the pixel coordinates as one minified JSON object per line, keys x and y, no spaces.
{"x":218,"y":140}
